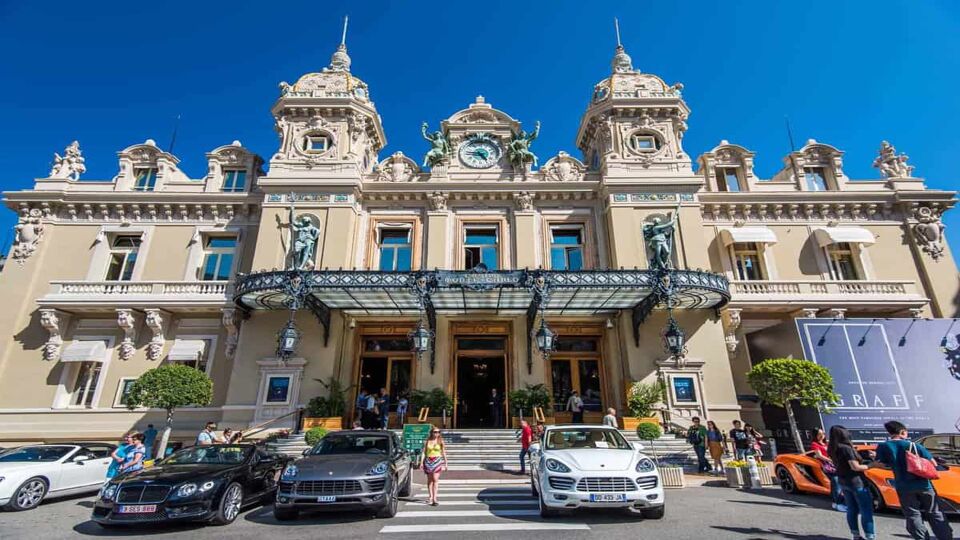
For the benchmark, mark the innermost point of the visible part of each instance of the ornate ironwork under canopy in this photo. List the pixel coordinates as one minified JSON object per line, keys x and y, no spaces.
{"x":507,"y":292}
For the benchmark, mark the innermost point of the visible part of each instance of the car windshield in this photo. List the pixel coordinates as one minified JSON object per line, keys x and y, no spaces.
{"x":210,"y":455}
{"x":35,"y":453}
{"x":351,"y":444}
{"x":566,"y":438}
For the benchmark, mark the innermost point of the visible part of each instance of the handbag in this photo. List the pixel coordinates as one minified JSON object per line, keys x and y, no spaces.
{"x":920,"y":466}
{"x":829,"y":468}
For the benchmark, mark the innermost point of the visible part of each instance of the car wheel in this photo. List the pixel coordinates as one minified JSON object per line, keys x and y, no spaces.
{"x":653,"y":513}
{"x":407,"y":487}
{"x":878,"y":504}
{"x":285,"y":514}
{"x":389,"y":508}
{"x":546,"y":511}
{"x":786,"y":481}
{"x":229,"y":507}
{"x":28,"y":495}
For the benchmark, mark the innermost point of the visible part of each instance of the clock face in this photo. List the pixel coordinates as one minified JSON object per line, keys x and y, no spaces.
{"x":479,"y":154}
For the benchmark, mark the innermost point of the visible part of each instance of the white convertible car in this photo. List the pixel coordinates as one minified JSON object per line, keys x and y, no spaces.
{"x":578,"y":466}
{"x":29,"y":474}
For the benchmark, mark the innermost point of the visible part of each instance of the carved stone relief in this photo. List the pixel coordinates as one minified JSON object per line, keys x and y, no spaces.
{"x":397,"y":168}
{"x":928,"y":232}
{"x":28,"y":233}
{"x":156,"y":323}
{"x":127,"y":322}
{"x":563,"y":168}
{"x":70,"y":165}
{"x":438,"y":201}
{"x":54,"y":322}
{"x":231,"y":322}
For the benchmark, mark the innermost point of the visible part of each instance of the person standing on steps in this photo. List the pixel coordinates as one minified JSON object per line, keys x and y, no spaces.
{"x":383,"y":404}
{"x":611,"y":418}
{"x":434,"y":462}
{"x":918,"y":500}
{"x":496,"y":409}
{"x":575,"y":406}
{"x":697,"y":438}
{"x":526,"y":437}
{"x":856,"y":494}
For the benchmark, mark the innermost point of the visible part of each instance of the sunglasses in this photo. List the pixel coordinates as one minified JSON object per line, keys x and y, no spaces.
{"x":434,"y":432}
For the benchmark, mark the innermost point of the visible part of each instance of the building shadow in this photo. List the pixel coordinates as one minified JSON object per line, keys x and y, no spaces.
{"x":759,"y":533}
{"x":263,"y":515}
{"x":91,"y":528}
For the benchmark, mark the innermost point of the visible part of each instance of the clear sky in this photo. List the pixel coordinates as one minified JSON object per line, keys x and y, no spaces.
{"x":112,"y":74}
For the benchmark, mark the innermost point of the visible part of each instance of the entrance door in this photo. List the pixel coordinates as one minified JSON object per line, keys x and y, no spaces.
{"x":481,"y":368}
{"x":576,"y":366}
{"x":386,"y":363}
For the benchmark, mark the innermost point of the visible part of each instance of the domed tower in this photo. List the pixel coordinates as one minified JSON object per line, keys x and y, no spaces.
{"x":634,"y":124}
{"x":327,"y":124}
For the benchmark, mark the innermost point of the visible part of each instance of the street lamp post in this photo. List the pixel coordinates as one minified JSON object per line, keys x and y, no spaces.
{"x":546,"y":338}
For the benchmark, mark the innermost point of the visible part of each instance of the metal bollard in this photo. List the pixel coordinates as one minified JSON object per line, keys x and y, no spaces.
{"x":754,"y":472}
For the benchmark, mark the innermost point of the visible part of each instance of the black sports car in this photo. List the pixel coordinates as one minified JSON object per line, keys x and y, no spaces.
{"x":201,"y":483}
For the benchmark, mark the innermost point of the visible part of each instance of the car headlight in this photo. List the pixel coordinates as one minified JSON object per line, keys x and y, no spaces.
{"x":108,"y":492}
{"x":290,"y":471}
{"x":379,"y":469}
{"x":646,"y":465}
{"x":207,"y":486}
{"x":556,"y":466}
{"x":186,"y":490}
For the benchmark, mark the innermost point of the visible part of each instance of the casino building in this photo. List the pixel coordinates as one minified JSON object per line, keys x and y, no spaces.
{"x":483,"y":250}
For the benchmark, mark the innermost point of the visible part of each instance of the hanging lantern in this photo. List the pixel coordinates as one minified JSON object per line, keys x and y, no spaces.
{"x":673,"y":337}
{"x":421,"y":338}
{"x":546,"y":338}
{"x":288,"y":340}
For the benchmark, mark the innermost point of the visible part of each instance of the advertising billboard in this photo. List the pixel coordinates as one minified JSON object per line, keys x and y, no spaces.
{"x":888,"y":369}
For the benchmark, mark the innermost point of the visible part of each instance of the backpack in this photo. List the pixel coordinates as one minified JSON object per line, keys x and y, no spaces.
{"x":695,"y":437}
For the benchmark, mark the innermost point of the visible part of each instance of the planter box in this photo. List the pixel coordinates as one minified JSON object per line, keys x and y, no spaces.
{"x":325,"y":422}
{"x":630,"y":423}
{"x":672,"y":477}
{"x":738,"y":477}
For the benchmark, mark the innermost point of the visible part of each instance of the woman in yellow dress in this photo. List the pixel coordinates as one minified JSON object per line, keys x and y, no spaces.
{"x":434,"y":462}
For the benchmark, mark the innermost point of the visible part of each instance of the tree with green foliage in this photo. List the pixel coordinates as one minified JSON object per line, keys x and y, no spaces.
{"x":334,"y":404}
{"x":530,"y":396}
{"x":642,"y":397}
{"x":170,"y":387}
{"x":781,"y":381}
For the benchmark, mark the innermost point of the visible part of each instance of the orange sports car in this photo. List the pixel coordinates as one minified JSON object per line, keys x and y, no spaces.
{"x":802,"y":473}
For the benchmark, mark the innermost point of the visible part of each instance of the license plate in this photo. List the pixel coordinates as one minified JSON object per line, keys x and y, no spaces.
{"x":608,"y":497}
{"x":137,"y":509}
{"x":326,"y":498}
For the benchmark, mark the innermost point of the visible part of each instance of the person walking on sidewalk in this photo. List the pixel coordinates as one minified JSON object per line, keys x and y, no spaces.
{"x":918,"y":500}
{"x":819,"y":448}
{"x":715,"y":445}
{"x":526,"y":437}
{"x":575,"y":406}
{"x":741,"y":443}
{"x":856,"y":494}
{"x":434,"y":462}
{"x":697,"y":437}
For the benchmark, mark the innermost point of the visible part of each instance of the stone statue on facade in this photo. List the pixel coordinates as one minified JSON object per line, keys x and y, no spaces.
{"x":27,"y":234}
{"x":518,"y":149}
{"x":305,"y":235}
{"x":890,"y":164}
{"x":70,"y":165}
{"x":439,"y":147}
{"x":438,"y":201}
{"x":659,"y":237}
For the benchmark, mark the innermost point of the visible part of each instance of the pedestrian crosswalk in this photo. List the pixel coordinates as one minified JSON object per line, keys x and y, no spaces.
{"x":471,"y":506}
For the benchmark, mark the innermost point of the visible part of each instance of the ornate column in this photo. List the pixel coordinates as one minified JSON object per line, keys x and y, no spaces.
{"x":231,"y":322}
{"x":158,"y":322}
{"x":54,"y":322}
{"x":127,"y":321}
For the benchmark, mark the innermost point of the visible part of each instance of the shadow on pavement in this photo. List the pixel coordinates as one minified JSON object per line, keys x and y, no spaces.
{"x":264,"y":516}
{"x":757,"y":532}
{"x":91,"y":528}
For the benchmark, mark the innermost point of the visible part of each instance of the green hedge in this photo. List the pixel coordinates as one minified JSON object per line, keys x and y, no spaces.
{"x":313,"y":435}
{"x":648,"y":431}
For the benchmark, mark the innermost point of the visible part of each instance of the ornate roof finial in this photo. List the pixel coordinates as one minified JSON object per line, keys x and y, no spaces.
{"x":340,"y":61}
{"x":621,"y":60}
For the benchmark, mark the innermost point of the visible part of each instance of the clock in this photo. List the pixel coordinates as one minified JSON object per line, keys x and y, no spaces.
{"x":480,"y":153}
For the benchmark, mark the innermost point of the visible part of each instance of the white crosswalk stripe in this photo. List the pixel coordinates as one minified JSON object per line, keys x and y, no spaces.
{"x":474,"y":507}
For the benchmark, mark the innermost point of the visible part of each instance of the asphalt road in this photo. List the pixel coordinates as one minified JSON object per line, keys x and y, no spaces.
{"x":475,"y":510}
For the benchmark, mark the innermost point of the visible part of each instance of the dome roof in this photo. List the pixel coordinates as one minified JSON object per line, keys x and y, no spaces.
{"x":627,"y":82}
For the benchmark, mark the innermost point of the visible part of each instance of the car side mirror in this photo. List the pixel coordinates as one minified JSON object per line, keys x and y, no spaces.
{"x":638,"y":446}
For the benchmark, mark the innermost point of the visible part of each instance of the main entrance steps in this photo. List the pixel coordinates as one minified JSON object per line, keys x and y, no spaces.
{"x":499,"y":449}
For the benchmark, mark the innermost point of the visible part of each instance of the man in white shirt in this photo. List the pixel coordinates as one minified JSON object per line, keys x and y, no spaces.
{"x":611,"y":418}
{"x":575,"y":406}
{"x":207,"y":436}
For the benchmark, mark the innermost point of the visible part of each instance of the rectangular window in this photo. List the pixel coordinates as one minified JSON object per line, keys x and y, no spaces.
{"x":843,"y":265}
{"x":816,"y":181}
{"x":123,"y":389}
{"x":747,"y":260}
{"x":396,"y":250}
{"x":88,"y":376}
{"x":316,"y":143}
{"x":480,"y":248}
{"x":278,"y":389}
{"x":644,"y":143}
{"x":146,"y":179}
{"x":218,"y":254}
{"x":234,"y":181}
{"x":123,"y":257}
{"x":727,"y":179}
{"x":683,"y":390}
{"x":566,"y":248}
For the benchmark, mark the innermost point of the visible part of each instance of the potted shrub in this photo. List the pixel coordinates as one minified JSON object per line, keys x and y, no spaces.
{"x":327,"y":411}
{"x":436,"y":400}
{"x":642,"y":399}
{"x":671,"y":476}
{"x":524,"y":400}
{"x":738,"y":474}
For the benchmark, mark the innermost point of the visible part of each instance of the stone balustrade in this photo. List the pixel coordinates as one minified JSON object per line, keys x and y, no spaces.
{"x":898,"y":294}
{"x":77,"y":294}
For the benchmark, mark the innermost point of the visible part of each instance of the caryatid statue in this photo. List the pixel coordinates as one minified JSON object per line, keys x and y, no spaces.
{"x":659,"y":237}
{"x":439,"y":147}
{"x":518,"y":149}
{"x":303,"y":240}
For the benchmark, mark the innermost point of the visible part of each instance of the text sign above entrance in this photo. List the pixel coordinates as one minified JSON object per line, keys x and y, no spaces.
{"x":480,"y":280}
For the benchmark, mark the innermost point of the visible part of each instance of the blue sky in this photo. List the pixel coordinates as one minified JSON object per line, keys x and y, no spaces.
{"x":111,"y":74}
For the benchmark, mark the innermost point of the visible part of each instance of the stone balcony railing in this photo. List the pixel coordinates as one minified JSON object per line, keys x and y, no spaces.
{"x":882,"y":295}
{"x":136,"y":293}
